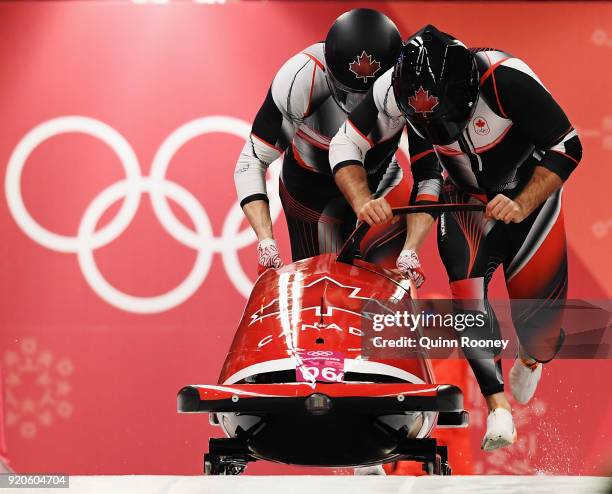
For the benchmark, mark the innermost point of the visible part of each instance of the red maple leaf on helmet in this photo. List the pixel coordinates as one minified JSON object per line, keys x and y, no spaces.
{"x":480,"y":123}
{"x":364,"y":67}
{"x":422,"y":102}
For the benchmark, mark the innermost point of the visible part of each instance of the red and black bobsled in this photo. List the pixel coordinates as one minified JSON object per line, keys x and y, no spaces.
{"x":296,"y":389}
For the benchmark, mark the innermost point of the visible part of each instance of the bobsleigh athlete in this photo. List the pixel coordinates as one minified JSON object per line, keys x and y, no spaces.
{"x":309,"y":99}
{"x":486,"y":119}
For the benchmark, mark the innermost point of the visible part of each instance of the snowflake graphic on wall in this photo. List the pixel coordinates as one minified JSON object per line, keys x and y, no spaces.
{"x":37,"y":388}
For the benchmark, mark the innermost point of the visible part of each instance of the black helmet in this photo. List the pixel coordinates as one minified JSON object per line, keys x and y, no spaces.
{"x":435,"y":83}
{"x":360,"y":46}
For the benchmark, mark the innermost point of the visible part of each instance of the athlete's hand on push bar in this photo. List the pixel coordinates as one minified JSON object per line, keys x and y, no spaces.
{"x":376,"y":212}
{"x":409,"y":266}
{"x":505,"y":209}
{"x":268,"y":255}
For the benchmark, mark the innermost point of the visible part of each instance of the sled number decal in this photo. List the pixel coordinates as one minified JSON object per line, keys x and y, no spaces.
{"x":322,"y":366}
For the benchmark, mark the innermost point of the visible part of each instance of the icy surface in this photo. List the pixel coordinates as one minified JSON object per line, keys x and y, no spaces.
{"x":331,"y":485}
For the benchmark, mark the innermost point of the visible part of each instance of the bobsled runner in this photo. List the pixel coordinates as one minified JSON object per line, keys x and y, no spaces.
{"x":296,"y":389}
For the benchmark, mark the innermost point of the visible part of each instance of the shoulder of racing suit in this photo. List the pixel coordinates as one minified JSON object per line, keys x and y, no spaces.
{"x":297,"y":89}
{"x":513,"y":91}
{"x":300,"y":85}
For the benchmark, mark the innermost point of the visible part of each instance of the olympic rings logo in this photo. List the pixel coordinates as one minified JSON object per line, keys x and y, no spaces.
{"x":130,"y":189}
{"x":319,"y":353}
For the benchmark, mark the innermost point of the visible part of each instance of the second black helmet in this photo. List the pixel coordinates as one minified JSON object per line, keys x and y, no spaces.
{"x":436,"y":84}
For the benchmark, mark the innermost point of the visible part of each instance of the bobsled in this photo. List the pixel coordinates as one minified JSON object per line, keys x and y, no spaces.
{"x":296,"y":388}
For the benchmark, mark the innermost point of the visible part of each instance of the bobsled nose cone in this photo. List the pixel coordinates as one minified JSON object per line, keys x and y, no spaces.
{"x":318,"y":404}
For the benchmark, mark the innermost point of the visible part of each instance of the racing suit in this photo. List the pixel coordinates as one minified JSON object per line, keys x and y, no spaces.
{"x":515,"y":126}
{"x":299,"y":117}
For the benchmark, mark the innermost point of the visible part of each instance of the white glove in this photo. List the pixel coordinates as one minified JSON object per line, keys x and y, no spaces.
{"x":408,"y":265}
{"x":268,"y":255}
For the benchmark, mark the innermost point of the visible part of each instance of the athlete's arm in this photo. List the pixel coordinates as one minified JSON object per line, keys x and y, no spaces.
{"x":348,"y":149}
{"x":352,"y":182}
{"x":260,"y":149}
{"x":288,"y":101}
{"x":542,"y":184}
{"x":347,"y":153}
{"x":419,"y":226}
{"x":522,"y":98}
{"x":427,"y":178}
{"x":258,"y":214}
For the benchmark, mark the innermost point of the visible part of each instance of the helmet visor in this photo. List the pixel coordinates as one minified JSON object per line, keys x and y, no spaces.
{"x":440,"y":132}
{"x":347,"y":99}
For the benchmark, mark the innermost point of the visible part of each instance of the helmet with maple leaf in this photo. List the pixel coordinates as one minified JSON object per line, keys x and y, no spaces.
{"x":436,"y":84}
{"x":361,"y":45}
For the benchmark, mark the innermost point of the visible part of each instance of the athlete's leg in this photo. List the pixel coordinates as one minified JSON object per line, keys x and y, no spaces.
{"x":472,"y":248}
{"x":536,"y":270}
{"x":471,"y":252}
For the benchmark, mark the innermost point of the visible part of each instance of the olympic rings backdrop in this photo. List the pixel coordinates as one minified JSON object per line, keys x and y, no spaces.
{"x":126,"y":261}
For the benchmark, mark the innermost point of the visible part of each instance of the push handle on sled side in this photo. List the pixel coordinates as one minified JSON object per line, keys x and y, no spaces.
{"x":350,"y":249}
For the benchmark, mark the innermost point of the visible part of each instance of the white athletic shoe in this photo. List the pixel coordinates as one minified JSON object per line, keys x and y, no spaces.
{"x":524,"y":380}
{"x":373,"y":470}
{"x":500,"y":430}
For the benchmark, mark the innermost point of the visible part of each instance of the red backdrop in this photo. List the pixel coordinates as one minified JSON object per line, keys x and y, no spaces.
{"x":92,"y":367}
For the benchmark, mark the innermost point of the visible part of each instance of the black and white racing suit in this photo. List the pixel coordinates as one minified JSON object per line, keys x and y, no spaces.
{"x":299,"y":117}
{"x":516,"y":126}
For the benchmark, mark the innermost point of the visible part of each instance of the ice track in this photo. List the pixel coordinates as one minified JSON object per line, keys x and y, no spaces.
{"x":332,"y":485}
